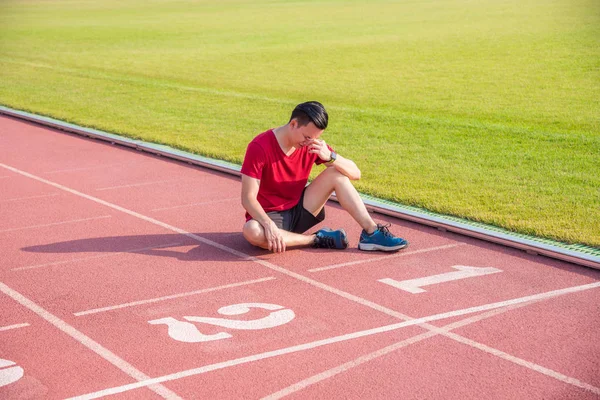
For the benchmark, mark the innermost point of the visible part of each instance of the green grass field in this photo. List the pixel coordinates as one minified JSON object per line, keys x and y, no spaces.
{"x":483,"y":109}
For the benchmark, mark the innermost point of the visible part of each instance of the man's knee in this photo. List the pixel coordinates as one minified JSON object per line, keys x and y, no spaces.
{"x":334,"y":175}
{"x":253,"y":232}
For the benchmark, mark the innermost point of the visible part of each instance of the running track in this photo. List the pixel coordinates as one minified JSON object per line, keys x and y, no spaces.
{"x":117,"y":268}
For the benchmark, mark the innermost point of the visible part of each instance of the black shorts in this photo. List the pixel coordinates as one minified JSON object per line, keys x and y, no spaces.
{"x":296,"y":219}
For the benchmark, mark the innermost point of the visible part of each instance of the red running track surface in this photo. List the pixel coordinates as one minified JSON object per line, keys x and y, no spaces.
{"x":126,"y":274}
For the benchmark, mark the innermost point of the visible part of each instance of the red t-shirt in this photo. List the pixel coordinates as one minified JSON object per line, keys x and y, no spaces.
{"x":282,"y":178}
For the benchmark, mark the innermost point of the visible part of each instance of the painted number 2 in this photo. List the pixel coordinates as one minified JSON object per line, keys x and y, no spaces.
{"x":187,"y":332}
{"x":9,"y":372}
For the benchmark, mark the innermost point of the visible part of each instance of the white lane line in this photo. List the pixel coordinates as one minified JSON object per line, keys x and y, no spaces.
{"x":140,"y":250}
{"x":196,"y":204}
{"x":139,"y":184}
{"x":55,"y":223}
{"x":384,"y":258}
{"x":87,"y":342}
{"x":240,"y":254}
{"x":337,"y":339}
{"x":30,"y":197}
{"x":524,"y":363}
{"x":296,"y":387}
{"x":16,"y":326}
{"x":444,"y":331}
{"x":58,"y":171}
{"x":173,"y":296}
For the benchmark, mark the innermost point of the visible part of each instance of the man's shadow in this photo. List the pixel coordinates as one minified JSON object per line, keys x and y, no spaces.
{"x":207,"y":246}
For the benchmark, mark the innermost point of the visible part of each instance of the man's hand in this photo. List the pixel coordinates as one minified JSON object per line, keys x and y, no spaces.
{"x":274,"y":237}
{"x":320,"y":148}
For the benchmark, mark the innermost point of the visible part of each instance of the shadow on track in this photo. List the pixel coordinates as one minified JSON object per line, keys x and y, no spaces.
{"x":183,"y":248}
{"x":174,"y":245}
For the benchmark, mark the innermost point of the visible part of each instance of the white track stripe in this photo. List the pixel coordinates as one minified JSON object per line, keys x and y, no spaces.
{"x":196,"y":204}
{"x":524,"y":363}
{"x":94,"y":257}
{"x":385,"y":258}
{"x":382,"y":352}
{"x":58,"y":171}
{"x":240,"y":254}
{"x":337,"y":339}
{"x":444,"y":331}
{"x":87,"y":342}
{"x":173,"y":296}
{"x":54,"y":223}
{"x":139,"y":184}
{"x":16,"y":326}
{"x":30,"y":197}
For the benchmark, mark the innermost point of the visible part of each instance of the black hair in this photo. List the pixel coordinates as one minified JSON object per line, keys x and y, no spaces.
{"x":311,"y":111}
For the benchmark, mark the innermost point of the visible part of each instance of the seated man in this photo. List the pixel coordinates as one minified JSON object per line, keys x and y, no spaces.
{"x":280,"y":207}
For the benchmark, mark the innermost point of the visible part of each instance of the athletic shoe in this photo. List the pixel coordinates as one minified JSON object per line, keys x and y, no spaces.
{"x":329,"y":239}
{"x":382,"y":239}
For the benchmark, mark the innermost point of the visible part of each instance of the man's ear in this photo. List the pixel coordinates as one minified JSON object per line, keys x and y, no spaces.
{"x":293,"y":123}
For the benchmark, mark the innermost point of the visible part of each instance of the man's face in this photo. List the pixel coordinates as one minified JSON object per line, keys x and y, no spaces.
{"x":304,"y":135}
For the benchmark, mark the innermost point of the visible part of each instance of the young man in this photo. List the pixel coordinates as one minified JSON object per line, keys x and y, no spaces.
{"x":280,"y":207}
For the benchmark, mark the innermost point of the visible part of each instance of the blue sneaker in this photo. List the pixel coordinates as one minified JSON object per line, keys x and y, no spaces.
{"x":329,"y":239}
{"x":382,"y":239}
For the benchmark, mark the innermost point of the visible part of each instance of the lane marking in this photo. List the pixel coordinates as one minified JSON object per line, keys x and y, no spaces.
{"x":196,"y":204}
{"x":336,"y":339}
{"x":87,"y":342}
{"x":140,"y":250}
{"x":296,"y":387}
{"x":139,"y":184}
{"x":173,"y":296}
{"x":443,"y":331}
{"x":415,"y":286}
{"x":30,"y":197}
{"x":54,"y":224}
{"x":57,"y":171}
{"x":384,"y":258}
{"x":16,"y":326}
{"x":524,"y":363}
{"x":240,"y":254}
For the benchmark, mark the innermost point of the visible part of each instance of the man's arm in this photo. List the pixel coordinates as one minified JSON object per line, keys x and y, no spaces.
{"x":346,"y":167}
{"x":342,"y":164}
{"x":250,"y":203}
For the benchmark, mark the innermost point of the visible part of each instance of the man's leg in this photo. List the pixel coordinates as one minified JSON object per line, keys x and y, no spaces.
{"x":322,"y":186}
{"x":373,"y":237}
{"x":255,"y":234}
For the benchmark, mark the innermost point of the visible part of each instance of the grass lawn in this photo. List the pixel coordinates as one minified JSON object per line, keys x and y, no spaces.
{"x":488,"y":109}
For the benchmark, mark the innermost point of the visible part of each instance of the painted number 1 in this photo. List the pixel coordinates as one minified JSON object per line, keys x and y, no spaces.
{"x":187,"y":332}
{"x":9,"y":372}
{"x":415,"y":285}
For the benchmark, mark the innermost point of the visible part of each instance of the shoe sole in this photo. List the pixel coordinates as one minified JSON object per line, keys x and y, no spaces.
{"x":377,"y":247}
{"x":345,"y":240}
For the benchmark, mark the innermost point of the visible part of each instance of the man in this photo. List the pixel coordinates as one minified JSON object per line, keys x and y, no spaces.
{"x":280,"y":207}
